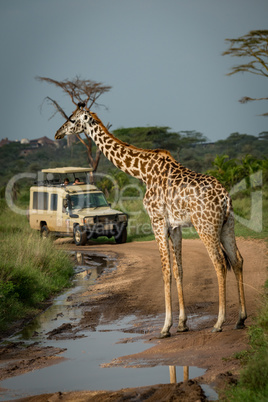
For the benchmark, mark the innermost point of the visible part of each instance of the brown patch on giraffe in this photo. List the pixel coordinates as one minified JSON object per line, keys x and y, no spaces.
{"x":133,"y":153}
{"x":156,"y":170}
{"x":134,"y":172}
{"x":127,"y":161}
{"x":143,"y":167}
{"x":122,"y":152}
{"x":142,"y":156}
{"x":136,"y":163}
{"x":119,"y":164}
{"x":116,"y":146}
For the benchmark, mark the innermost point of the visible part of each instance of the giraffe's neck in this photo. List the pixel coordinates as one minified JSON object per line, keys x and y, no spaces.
{"x":134,"y":161}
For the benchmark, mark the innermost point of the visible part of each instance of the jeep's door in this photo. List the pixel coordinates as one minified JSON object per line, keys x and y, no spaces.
{"x":62,"y":218}
{"x":58,"y":218}
{"x":52,"y":216}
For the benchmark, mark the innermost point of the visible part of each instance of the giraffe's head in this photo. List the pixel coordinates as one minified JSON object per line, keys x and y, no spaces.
{"x":76,"y":123}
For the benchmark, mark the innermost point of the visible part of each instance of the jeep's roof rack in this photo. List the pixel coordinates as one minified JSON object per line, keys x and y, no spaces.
{"x":54,"y":176}
{"x":66,"y":170}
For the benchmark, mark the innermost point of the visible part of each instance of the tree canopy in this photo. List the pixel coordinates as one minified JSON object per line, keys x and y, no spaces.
{"x":80,"y":91}
{"x":254,"y":48}
{"x":159,"y":137}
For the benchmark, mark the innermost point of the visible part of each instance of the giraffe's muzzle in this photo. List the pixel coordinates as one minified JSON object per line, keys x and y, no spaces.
{"x":59,"y":135}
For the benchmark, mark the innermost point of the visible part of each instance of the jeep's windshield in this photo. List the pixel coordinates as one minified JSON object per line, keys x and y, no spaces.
{"x":88,"y":200}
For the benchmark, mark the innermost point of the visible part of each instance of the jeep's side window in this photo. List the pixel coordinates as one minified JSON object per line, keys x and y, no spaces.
{"x":40,"y":201}
{"x":54,"y":202}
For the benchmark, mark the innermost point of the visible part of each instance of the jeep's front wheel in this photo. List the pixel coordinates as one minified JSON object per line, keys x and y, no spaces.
{"x":80,"y":235}
{"x":121,"y":237}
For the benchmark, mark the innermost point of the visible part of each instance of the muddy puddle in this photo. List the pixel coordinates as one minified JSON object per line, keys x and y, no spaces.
{"x":82,"y":366}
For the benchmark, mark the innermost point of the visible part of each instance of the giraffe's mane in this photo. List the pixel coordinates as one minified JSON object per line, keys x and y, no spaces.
{"x":152,"y":151}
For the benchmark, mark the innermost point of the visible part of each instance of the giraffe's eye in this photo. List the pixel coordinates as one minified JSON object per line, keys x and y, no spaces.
{"x":72,"y":121}
{"x":85,"y":117}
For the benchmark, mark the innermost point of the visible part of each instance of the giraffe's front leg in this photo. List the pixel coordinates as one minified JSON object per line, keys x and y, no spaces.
{"x":176,"y":241}
{"x":168,"y":318}
{"x":220,"y":266}
{"x":161,"y":236}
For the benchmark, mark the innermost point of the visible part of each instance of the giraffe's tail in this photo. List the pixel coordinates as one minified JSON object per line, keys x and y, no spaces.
{"x":227,"y":225}
{"x":228,"y":208}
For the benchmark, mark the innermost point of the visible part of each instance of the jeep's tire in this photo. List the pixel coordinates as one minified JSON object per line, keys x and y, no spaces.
{"x":80,"y":235}
{"x":121,"y":237}
{"x":44,"y":232}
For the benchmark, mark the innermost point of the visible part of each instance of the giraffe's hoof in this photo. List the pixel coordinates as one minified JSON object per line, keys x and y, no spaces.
{"x":239,"y":325}
{"x":182,"y":328}
{"x":164,"y":335}
{"x":216,"y":329}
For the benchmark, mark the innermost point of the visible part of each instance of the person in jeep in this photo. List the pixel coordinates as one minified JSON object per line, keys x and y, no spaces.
{"x":77,"y":181}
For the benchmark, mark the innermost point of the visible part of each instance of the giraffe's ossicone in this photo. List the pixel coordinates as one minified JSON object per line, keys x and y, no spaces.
{"x":175,"y":196}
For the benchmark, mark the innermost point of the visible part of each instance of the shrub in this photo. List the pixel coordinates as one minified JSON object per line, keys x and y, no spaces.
{"x":31,"y":268}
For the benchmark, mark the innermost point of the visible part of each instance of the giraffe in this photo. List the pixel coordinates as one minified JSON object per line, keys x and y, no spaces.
{"x":175,"y":196}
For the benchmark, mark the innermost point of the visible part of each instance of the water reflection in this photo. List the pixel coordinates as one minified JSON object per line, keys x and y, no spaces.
{"x":173,"y":374}
{"x":80,"y":258}
{"x":185,"y":373}
{"x":211,"y":395}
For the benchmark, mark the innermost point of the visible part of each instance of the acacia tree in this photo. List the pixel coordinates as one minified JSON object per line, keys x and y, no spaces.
{"x":81,"y":92}
{"x":254,"y":47}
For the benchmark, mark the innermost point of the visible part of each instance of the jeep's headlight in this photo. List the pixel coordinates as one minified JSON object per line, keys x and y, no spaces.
{"x":89,"y":221}
{"x":122,"y":218}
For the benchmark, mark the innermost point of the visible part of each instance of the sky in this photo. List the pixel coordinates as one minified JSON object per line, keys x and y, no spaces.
{"x":163,"y":59}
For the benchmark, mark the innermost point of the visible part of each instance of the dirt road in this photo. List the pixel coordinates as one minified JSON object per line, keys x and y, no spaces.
{"x":136,"y":287}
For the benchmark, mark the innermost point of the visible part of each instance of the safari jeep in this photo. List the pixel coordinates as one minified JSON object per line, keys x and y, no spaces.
{"x":76,"y":208}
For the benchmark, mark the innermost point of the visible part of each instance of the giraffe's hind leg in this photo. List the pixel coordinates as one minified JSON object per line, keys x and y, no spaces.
{"x":214,"y":248}
{"x":236,"y":260}
{"x":176,"y":239}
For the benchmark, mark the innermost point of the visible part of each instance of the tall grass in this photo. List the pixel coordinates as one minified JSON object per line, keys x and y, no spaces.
{"x":253,"y":382}
{"x":31,"y":268}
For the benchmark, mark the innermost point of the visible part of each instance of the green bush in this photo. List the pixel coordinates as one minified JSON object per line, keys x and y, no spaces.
{"x":253,"y":382}
{"x":31,"y":268}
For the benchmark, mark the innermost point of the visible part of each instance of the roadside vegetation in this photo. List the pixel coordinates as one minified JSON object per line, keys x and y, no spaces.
{"x":31,"y":269}
{"x":252,"y":385}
